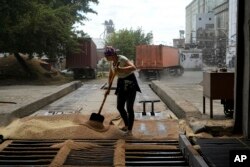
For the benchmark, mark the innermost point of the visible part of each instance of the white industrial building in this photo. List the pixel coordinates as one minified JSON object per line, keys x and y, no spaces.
{"x":232,"y":30}
{"x":192,"y":10}
{"x":215,"y":21}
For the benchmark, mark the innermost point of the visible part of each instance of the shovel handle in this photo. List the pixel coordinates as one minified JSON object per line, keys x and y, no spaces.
{"x":109,"y":87}
{"x":100,"y":109}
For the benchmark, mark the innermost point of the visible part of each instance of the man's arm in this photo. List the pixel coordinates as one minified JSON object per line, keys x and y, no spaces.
{"x":128,"y":68}
{"x":111,"y":73}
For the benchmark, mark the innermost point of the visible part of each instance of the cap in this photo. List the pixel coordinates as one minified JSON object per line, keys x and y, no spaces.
{"x":109,"y":51}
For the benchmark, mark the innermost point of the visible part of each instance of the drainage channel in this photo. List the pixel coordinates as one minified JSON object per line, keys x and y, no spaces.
{"x":154,"y":153}
{"x":136,"y":153}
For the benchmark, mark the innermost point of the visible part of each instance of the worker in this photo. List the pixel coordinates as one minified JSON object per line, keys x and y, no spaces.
{"x":127,"y":86}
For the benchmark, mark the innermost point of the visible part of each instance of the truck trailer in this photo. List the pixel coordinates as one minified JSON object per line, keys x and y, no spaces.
{"x":153,"y":60}
{"x":83,"y":62}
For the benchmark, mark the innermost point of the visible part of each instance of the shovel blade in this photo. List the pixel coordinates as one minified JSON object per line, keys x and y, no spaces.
{"x":97,"y":117}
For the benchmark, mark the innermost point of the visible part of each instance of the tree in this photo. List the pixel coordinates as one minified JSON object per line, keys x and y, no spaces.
{"x":40,"y":26}
{"x":126,"y":41}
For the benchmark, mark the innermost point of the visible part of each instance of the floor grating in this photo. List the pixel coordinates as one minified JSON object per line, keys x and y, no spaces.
{"x":140,"y":153}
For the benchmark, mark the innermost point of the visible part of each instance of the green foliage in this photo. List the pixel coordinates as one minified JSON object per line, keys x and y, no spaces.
{"x":41,"y":26}
{"x":126,"y":41}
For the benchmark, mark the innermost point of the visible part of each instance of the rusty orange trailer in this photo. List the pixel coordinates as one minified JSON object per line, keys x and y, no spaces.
{"x":152,"y":60}
{"x":84,"y":62}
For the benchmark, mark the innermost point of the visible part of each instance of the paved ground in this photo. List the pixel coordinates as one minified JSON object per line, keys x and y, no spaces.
{"x":86,"y":100}
{"x":21,"y":100}
{"x":183,"y":93}
{"x":184,"y":96}
{"x":189,"y":87}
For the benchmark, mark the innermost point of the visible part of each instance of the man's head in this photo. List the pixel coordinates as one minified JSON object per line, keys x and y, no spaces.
{"x":109,"y":51}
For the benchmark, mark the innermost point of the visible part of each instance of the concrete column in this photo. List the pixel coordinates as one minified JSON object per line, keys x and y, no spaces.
{"x":242,"y":100}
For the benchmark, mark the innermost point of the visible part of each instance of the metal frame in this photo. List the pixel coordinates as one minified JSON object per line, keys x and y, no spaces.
{"x":193,"y":158}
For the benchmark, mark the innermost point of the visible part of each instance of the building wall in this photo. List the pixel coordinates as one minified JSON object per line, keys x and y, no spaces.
{"x":231,"y":52}
{"x":191,"y":59}
{"x":194,"y":8}
{"x":204,"y":20}
{"x":221,"y":31}
{"x":191,"y":11}
{"x":221,"y":17}
{"x":219,"y":2}
{"x":179,"y":43}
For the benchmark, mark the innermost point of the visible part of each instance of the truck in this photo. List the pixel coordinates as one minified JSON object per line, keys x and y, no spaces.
{"x":83,"y":62}
{"x":153,"y":61}
{"x":191,"y":59}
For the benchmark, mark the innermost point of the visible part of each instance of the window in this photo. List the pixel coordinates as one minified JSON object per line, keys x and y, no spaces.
{"x":194,"y":56}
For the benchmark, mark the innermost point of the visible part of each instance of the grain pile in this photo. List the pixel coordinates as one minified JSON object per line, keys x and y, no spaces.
{"x":60,"y":157}
{"x":73,"y":126}
{"x":95,"y":125}
{"x":185,"y":128}
{"x":57,"y":127}
{"x":119,"y":153}
{"x":12,"y":72}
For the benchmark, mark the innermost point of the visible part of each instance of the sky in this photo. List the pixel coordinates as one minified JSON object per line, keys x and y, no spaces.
{"x":164,"y":18}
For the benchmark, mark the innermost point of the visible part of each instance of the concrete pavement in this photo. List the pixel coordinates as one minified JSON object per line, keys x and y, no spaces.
{"x":18,"y":101}
{"x":185,"y":100}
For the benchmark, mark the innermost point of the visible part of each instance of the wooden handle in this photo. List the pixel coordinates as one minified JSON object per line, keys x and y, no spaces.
{"x":109,"y":87}
{"x":105,"y":96}
{"x":100,"y":109}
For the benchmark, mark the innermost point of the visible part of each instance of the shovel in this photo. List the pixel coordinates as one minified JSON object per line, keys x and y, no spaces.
{"x":97,"y":116}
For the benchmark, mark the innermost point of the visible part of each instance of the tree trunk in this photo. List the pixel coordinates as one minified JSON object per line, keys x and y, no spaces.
{"x":23,"y":64}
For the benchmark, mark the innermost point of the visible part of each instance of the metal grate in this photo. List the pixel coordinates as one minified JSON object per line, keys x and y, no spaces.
{"x":99,"y":156}
{"x":216,"y":151}
{"x":39,"y":153}
{"x":27,"y":153}
{"x":153,"y":156}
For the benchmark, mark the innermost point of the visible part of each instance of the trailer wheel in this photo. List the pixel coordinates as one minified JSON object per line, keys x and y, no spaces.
{"x":176,"y":71}
{"x":76,"y":74}
{"x":142,"y":75}
{"x":173,"y":72}
{"x":180,"y":71}
{"x":93,"y":74}
{"x":228,"y":107}
{"x":158,"y":75}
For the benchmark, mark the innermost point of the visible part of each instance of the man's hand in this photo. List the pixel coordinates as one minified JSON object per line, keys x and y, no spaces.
{"x":117,"y":69}
{"x":107,"y":92}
